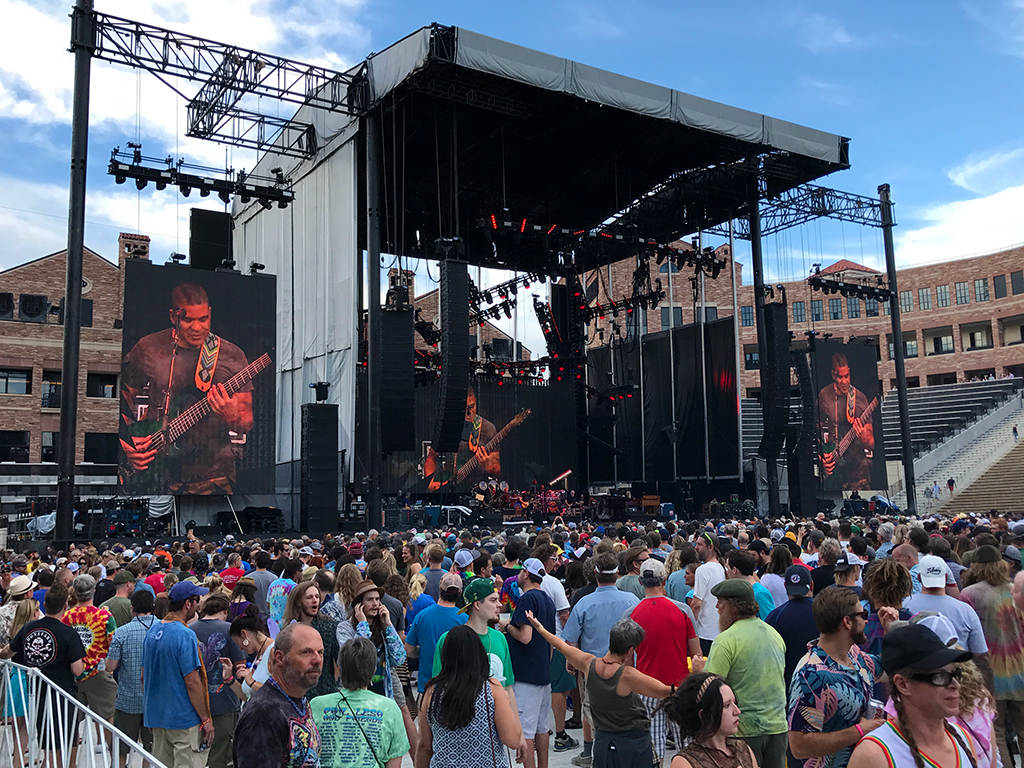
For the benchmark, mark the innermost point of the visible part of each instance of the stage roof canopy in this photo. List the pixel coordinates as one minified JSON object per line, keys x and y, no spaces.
{"x":472,"y":126}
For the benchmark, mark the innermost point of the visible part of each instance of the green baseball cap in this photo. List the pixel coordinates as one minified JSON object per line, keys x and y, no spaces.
{"x":478,"y":589}
{"x":737,"y":589}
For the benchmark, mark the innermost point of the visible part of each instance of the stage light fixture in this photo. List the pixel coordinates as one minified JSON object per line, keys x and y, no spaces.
{"x":140,"y":184}
{"x":227,"y":264}
{"x":176,"y":258}
{"x":266,"y":203}
{"x":225,"y":196}
{"x":185,"y":189}
{"x":204,"y":192}
{"x":255,"y":267}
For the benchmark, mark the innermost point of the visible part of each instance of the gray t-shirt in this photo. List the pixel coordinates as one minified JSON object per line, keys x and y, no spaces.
{"x":397,"y":611}
{"x":263,"y":580}
{"x":968,"y":626}
{"x":214,"y":642}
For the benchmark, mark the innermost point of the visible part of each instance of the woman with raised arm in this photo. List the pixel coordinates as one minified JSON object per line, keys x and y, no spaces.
{"x":621,"y":726}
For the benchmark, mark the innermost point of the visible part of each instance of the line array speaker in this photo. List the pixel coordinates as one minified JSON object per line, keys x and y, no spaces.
{"x":318,"y":509}
{"x":805,"y":438}
{"x":209,"y":241}
{"x":451,"y":410}
{"x":775,"y":381}
{"x":397,"y":409}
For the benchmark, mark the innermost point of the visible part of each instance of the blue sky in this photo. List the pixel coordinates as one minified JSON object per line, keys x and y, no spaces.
{"x":928,"y":92}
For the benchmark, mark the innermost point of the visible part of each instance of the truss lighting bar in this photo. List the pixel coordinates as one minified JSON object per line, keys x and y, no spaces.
{"x":625,"y":305}
{"x":860,"y":290}
{"x":501,"y":223}
{"x":124,"y":166}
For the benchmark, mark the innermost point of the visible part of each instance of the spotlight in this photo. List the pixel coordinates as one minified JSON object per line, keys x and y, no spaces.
{"x":266,"y":203}
{"x":119,"y":179}
{"x":227,"y":264}
{"x":255,"y":267}
{"x":225,"y":196}
{"x":176,"y":258}
{"x":140,"y":184}
{"x":185,"y":189}
{"x":204,"y":192}
{"x":321,"y":388}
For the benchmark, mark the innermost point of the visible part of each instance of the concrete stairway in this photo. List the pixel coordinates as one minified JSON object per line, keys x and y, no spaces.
{"x":999,"y":487}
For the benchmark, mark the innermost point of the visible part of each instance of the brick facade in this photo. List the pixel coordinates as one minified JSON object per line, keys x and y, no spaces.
{"x":38,"y":347}
{"x":984,"y":336}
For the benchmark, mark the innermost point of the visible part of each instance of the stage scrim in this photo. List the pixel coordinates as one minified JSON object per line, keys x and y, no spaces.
{"x":851,"y":451}
{"x":188,"y":333}
{"x":536,"y":427}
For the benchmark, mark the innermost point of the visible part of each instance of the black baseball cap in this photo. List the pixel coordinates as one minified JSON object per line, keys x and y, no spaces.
{"x":758,"y":546}
{"x":798,"y":580}
{"x":915,"y":646}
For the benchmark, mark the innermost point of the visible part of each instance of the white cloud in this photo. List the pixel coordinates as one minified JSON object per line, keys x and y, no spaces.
{"x":820,"y":34}
{"x":962,"y":228}
{"x":985,"y":174}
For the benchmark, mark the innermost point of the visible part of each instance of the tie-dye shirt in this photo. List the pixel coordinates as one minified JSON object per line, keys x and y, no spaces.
{"x":825,"y":696}
{"x":95,"y":626}
{"x":1004,"y":633}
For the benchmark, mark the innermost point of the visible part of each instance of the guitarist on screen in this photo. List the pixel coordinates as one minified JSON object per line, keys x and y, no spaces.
{"x":477,"y":432}
{"x":164,"y":374}
{"x":841,"y":409}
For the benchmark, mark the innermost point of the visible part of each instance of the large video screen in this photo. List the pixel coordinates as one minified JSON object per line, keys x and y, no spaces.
{"x":514,"y":434}
{"x":851,"y":450}
{"x":197,"y":382}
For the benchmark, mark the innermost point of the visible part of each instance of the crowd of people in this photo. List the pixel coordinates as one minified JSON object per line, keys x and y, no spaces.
{"x":717,"y":644}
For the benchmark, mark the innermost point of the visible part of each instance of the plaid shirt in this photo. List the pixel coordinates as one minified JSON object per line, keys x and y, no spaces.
{"x":126,"y":649}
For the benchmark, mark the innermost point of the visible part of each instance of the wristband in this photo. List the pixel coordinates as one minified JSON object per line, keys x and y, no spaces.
{"x":229,"y":682}
{"x":860,"y":731}
{"x":207,"y":720}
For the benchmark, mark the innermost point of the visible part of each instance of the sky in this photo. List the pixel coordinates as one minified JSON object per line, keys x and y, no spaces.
{"x":927,"y":92}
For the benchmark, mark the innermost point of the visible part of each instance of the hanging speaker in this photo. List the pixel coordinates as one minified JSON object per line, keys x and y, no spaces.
{"x":6,"y":306}
{"x":318,"y":510}
{"x":33,"y":308}
{"x":775,"y":381}
{"x":451,"y":407}
{"x":397,"y":409}
{"x":806,"y":435}
{"x":209,"y":241}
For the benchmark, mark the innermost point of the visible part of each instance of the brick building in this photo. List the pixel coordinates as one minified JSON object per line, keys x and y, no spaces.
{"x":961,"y":319}
{"x":31,"y":347}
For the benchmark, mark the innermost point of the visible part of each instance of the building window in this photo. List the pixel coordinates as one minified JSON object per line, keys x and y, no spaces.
{"x":14,"y":447}
{"x":910,"y":348}
{"x":799,"y":312}
{"x":50,"y":443}
{"x":51,"y":389}
{"x":101,"y":385}
{"x":924,"y":298}
{"x":981,"y":289}
{"x":751,"y":361}
{"x":101,"y":447}
{"x":1017,"y":283}
{"x":887,"y":305}
{"x":710,"y":314}
{"x":852,"y":306}
{"x":676,"y":318}
{"x":941,"y":296}
{"x":15,"y":382}
{"x":871,"y":307}
{"x":817,"y":311}
{"x":906,"y":301}
{"x":746,"y":316}
{"x":999,"y":286}
{"x":963,"y":295}
{"x":942,"y":345}
{"x":835,"y":309}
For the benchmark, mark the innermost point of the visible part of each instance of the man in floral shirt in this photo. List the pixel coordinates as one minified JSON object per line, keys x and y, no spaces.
{"x":832,"y":684}
{"x":97,"y":688}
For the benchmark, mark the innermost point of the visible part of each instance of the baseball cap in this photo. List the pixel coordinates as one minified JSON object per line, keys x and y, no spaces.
{"x":183,"y":590}
{"x":798,"y":580}
{"x":465,"y":557}
{"x":229,"y":538}
{"x":738,"y":589}
{"x":534,"y":566}
{"x":845,"y":562}
{"x":124,"y":577}
{"x":1012,"y":554}
{"x":451,"y":581}
{"x":652,"y":567}
{"x":306,"y":551}
{"x":757,"y":546}
{"x":932,"y":570}
{"x":599,"y":531}
{"x":915,"y":646}
{"x":476,"y":589}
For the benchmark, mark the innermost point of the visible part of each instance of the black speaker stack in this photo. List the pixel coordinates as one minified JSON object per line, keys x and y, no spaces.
{"x":397,"y":411}
{"x":455,"y":363}
{"x":318,"y":509}
{"x":775,"y":381}
{"x":209,"y":242}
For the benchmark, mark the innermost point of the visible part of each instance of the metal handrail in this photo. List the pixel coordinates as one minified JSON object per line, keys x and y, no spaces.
{"x":49,"y":727}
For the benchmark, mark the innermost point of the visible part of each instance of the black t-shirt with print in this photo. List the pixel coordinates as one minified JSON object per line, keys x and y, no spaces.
{"x":276,"y":731}
{"x":52,"y":647}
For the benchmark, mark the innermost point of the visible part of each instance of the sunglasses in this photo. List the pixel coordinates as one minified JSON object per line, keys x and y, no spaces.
{"x":939,"y":679}
{"x":862,"y":614}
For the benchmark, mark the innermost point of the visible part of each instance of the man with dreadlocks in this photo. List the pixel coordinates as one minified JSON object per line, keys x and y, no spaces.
{"x":925,"y":687}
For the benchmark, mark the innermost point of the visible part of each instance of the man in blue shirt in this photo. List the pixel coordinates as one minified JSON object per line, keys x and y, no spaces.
{"x":175,"y":688}
{"x":793,"y":619}
{"x":588,"y":628}
{"x":432,"y":622}
{"x":125,"y":654}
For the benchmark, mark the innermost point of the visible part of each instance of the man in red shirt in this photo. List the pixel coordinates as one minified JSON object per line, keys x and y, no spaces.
{"x":234,"y":571}
{"x":97,"y":688}
{"x":670,"y":639}
{"x":156,"y":577}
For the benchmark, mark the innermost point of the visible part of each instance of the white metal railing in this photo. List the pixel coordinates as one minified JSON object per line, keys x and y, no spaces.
{"x":42,"y":724}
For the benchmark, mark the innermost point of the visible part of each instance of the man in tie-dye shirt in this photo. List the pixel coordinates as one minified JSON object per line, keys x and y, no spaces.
{"x":97,"y":688}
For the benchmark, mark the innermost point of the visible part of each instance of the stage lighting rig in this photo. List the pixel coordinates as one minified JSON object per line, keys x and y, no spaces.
{"x":176,"y":258}
{"x":627,"y":304}
{"x":862,"y":290}
{"x":426,"y":330}
{"x":255,"y":267}
{"x":186,"y":176}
